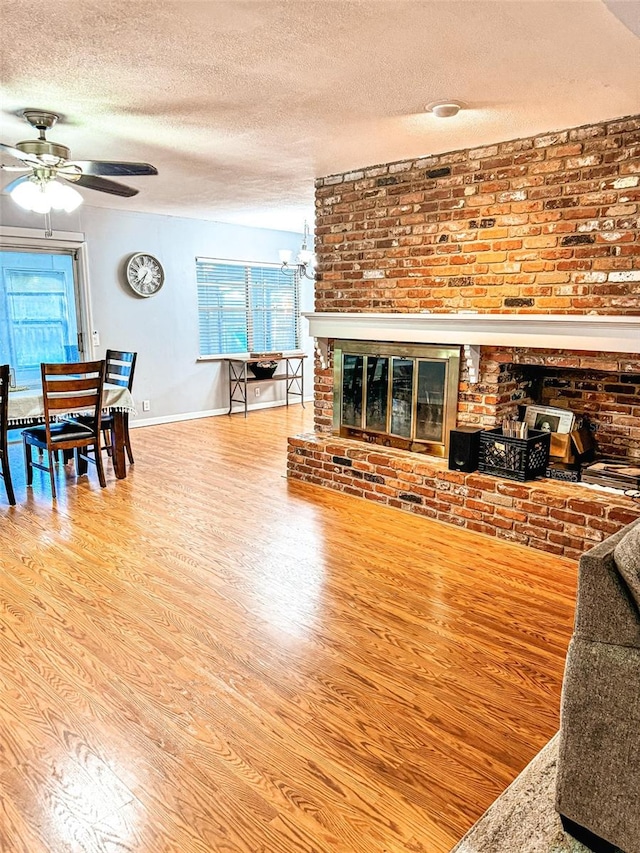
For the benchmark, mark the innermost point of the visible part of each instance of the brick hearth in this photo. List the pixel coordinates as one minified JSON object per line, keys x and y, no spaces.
{"x":561,"y":518}
{"x":547,"y":224}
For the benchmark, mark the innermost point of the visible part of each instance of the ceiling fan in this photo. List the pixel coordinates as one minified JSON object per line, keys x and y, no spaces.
{"x":48,"y":161}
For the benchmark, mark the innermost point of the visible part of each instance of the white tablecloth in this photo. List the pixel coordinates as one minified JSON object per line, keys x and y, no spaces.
{"x":26,"y":407}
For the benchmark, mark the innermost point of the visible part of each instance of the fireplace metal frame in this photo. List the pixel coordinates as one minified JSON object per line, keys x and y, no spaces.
{"x":449,"y":355}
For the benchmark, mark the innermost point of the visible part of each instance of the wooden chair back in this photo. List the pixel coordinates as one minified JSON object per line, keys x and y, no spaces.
{"x":72,"y":388}
{"x":4,"y":400}
{"x":121,"y":366}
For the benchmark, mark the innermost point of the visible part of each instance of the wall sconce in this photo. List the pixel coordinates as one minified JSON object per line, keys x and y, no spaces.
{"x":305,"y":261}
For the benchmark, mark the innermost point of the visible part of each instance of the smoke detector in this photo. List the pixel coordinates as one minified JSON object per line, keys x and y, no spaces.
{"x":444,"y":109}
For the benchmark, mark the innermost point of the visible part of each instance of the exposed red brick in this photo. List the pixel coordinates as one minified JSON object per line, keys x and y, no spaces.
{"x":568,"y":517}
{"x":548,"y":498}
{"x":547,"y":223}
{"x":514,"y":514}
{"x":542,"y":545}
{"x":482,"y":506}
{"x":533,"y":508}
{"x":546,"y":523}
{"x":481,"y":527}
{"x":624,"y":515}
{"x":504,"y":488}
{"x":590,"y":508}
{"x":365,"y":227}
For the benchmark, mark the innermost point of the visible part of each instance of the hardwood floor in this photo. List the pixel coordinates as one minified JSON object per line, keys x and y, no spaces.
{"x":205,"y":657}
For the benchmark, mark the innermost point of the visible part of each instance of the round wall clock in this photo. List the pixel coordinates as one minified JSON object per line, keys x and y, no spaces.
{"x":144,"y":273}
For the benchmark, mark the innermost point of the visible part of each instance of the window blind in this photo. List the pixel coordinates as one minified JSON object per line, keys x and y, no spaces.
{"x":246,"y":307}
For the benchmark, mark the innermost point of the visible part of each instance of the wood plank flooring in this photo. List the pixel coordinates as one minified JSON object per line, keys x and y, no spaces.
{"x":205,"y":657}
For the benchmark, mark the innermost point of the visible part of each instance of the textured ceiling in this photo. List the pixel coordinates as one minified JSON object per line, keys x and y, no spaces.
{"x":241,"y":104}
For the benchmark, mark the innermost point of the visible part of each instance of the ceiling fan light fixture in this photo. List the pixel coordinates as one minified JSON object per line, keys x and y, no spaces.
{"x":45,"y":196}
{"x":64,"y":197}
{"x":28,"y":195}
{"x":48,"y":160}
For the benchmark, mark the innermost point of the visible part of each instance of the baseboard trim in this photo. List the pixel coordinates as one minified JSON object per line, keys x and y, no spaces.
{"x":208,"y":413}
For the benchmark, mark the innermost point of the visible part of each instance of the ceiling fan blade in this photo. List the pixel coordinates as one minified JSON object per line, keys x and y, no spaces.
{"x":108,"y":167}
{"x":10,"y":187}
{"x":19,"y":155}
{"x":101,"y":184}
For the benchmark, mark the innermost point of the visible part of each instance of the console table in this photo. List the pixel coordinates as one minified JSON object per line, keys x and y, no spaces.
{"x":290,"y":370}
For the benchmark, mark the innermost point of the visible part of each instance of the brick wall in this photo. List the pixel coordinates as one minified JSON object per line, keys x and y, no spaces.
{"x":549,"y":223}
{"x":545,"y":224}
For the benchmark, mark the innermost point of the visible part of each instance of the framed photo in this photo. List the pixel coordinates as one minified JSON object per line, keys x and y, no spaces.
{"x":547,"y":423}
{"x":549,"y":419}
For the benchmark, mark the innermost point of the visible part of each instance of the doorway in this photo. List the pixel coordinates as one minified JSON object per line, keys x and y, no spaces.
{"x":39,"y":311}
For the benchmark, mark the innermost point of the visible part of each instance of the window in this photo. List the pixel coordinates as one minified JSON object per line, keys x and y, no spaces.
{"x":246,"y":307}
{"x":38,"y":319}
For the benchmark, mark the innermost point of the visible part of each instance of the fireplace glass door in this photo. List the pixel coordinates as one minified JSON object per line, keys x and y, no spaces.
{"x":352,"y":390}
{"x":432,"y":377}
{"x":402,"y":397}
{"x":396,"y":394}
{"x":377,"y":393}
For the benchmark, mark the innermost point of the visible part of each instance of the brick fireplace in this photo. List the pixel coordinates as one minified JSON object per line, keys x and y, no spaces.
{"x":515,"y":231}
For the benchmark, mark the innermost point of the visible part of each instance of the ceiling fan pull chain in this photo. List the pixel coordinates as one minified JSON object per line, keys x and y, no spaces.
{"x":47,"y":225}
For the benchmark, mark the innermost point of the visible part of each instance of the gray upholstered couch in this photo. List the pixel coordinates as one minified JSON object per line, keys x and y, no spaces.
{"x":598,"y":786}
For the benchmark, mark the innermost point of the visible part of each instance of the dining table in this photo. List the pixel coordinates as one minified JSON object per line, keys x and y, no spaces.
{"x":26,"y":407}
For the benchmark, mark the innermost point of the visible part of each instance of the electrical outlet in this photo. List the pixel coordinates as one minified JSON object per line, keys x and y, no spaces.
{"x":146,"y":405}
{"x":256,"y":391}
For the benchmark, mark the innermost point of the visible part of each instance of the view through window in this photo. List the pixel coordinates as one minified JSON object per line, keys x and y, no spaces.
{"x":38,"y":316}
{"x":246,"y":307}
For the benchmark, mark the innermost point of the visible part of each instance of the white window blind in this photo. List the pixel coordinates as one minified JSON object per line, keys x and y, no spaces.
{"x":246,"y":307}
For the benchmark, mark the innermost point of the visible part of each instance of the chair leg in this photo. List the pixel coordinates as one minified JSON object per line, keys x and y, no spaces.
{"x":6,"y":475}
{"x":98,"y":454}
{"x":52,"y":477}
{"x":106,"y":434}
{"x":127,"y":441}
{"x":27,"y":463}
{"x":81,"y":464}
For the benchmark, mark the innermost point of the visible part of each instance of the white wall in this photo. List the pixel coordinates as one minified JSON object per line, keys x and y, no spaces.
{"x":163,"y":329}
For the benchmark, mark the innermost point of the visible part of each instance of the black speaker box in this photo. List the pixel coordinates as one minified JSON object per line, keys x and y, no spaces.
{"x":464,"y":448}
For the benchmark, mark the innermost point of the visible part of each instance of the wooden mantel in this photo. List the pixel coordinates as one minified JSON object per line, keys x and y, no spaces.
{"x":589,"y":332}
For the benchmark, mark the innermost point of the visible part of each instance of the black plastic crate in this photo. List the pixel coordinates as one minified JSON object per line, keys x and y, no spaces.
{"x":514,"y":458}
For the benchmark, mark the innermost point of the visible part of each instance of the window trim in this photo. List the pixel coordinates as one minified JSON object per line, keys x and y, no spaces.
{"x":247,"y":308}
{"x":65,"y":242}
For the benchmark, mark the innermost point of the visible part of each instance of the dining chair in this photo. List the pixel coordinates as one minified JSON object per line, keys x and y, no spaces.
{"x":66,"y":390}
{"x":5,"y":471}
{"x":121,"y":367}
